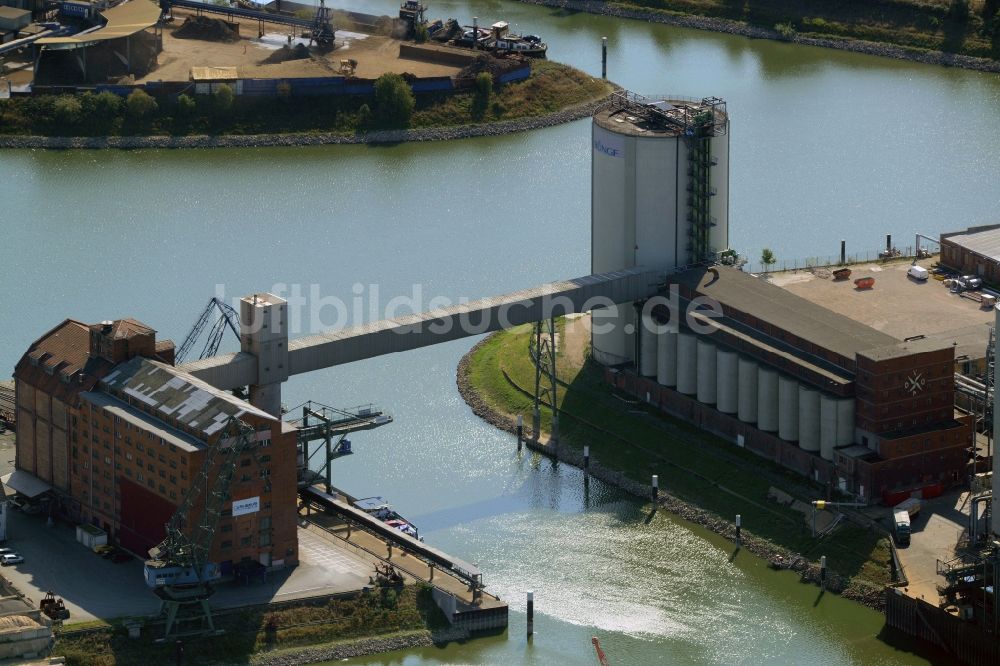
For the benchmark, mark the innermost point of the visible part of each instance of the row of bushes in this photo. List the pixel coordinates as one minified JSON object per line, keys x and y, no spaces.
{"x":392,"y":106}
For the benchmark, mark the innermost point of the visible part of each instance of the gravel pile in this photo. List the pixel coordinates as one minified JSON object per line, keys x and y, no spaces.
{"x":284,"y":54}
{"x":206,"y":29}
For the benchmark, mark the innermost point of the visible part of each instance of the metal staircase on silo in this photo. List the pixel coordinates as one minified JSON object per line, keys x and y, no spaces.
{"x":698,"y":133}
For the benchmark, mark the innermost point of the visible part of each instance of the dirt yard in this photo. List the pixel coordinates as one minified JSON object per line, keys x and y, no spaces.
{"x":375,"y":55}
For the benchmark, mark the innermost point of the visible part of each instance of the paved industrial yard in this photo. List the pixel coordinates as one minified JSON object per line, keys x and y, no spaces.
{"x":898,"y":305}
{"x":375,"y":55}
{"x":97,"y":588}
{"x":936,"y":530}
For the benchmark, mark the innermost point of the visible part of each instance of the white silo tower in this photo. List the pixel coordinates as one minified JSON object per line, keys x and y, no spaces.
{"x":659,"y":196}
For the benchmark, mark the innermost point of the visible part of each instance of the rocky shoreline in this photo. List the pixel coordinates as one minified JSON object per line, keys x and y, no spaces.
{"x":359,"y":648}
{"x":755,"y":32}
{"x":779,"y":557}
{"x":570,"y":114}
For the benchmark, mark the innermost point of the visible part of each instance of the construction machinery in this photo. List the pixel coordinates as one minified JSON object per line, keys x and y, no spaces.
{"x":348,"y":66}
{"x":179,"y":569}
{"x":54,"y":607}
{"x":228,"y":318}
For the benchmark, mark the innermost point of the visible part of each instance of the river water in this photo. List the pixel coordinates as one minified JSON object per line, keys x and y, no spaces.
{"x":825,"y":145}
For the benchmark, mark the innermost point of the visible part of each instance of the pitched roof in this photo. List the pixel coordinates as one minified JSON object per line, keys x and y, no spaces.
{"x":176,"y":395}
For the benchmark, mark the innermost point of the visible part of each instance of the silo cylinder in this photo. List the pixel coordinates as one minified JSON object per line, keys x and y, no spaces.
{"x":808,"y":419}
{"x":647,"y":346}
{"x":827,"y":426}
{"x":727,"y":381}
{"x":767,"y":399}
{"x":788,"y":409}
{"x":687,"y":363}
{"x":747,"y":411}
{"x":845,"y":421}
{"x":706,"y":372}
{"x":666,"y":358}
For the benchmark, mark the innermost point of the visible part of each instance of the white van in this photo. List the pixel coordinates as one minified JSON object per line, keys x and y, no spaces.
{"x":918,"y":273}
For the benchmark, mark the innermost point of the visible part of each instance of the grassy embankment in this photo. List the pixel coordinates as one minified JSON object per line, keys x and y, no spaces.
{"x":970,"y":27}
{"x":552,"y":87}
{"x":693,"y":465}
{"x":381,"y":614}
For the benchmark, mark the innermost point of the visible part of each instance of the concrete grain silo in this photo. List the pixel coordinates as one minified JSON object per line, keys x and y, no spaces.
{"x":659,"y":199}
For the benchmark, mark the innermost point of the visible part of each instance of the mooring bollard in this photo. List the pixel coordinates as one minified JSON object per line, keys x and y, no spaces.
{"x":656,"y":487}
{"x":586,"y":458}
{"x":739,"y":521}
{"x":822,"y":572}
{"x":604,"y":57}
{"x":520,"y":431}
{"x":531,"y":612}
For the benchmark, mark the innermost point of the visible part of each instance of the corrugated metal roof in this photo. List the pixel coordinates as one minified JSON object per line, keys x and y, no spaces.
{"x":178,"y":395}
{"x":985,"y":242}
{"x":124,"y":20}
{"x":214,"y":74}
{"x":142,"y":420}
{"x":784,"y":310}
{"x":12,"y":12}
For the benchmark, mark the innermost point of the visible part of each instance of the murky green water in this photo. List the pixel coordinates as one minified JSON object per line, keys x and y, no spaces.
{"x":825,"y":146}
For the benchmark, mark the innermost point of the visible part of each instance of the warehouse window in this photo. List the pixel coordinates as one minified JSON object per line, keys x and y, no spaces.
{"x":138,"y":446}
{"x":128,"y":456}
{"x":173,"y":479}
{"x":246,"y":541}
{"x":163,"y":491}
{"x":264,"y":539}
{"x":128,"y":472}
{"x":139,"y":477}
{"x":265,"y":473}
{"x":227,"y":528}
{"x":107,"y":460}
{"x":173,"y":495}
{"x":162,"y":458}
{"x":226,"y":545}
{"x":149,"y":466}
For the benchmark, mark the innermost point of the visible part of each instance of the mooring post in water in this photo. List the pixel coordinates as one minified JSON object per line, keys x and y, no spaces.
{"x":822,"y":572}
{"x":531,"y":612}
{"x":520,"y":431}
{"x":739,"y":524}
{"x":604,"y":57}
{"x":586,"y":458}
{"x":656,"y":487}
{"x":475,"y":32}
{"x":843,"y":251}
{"x":888,"y":242}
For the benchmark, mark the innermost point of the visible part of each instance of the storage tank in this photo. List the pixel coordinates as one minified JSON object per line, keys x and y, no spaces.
{"x":687,"y":363}
{"x":747,"y":407}
{"x":666,"y":358}
{"x":808,"y":419}
{"x":767,"y":399}
{"x":788,"y":409}
{"x":659,"y":195}
{"x":706,"y":372}
{"x":727,"y":381}
{"x":647,"y":346}
{"x":845,"y":421}
{"x":827,"y":426}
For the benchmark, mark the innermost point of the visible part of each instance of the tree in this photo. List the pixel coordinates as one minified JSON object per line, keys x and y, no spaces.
{"x":394,"y":101}
{"x":68,"y":109}
{"x":107,"y":104}
{"x":140,"y":105}
{"x":767,"y":258}
{"x":364,"y":117}
{"x":224,"y":98}
{"x":482,"y":91}
{"x":186,"y":106}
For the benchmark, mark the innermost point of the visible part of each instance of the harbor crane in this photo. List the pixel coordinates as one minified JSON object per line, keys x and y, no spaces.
{"x":179,"y":569}
{"x":228,"y":318}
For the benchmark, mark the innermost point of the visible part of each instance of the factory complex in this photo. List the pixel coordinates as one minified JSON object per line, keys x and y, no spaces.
{"x":865,"y":412}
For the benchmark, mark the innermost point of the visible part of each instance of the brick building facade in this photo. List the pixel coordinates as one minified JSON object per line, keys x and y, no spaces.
{"x":120,"y":435}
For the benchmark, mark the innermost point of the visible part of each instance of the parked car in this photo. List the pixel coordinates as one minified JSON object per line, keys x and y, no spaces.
{"x":9,"y":559}
{"x":6,"y":551}
{"x":918,"y":273}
